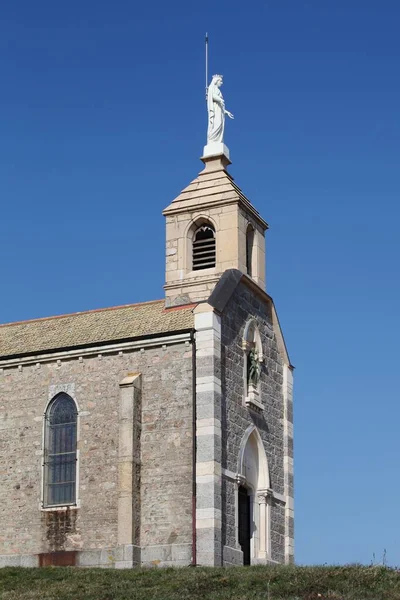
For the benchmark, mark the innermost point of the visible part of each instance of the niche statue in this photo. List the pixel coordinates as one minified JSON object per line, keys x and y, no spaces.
{"x":253,"y":367}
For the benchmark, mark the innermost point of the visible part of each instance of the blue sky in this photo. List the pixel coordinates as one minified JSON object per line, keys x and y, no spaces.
{"x":102,"y":121}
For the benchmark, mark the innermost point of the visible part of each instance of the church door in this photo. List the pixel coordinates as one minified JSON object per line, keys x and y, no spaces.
{"x":244,"y":524}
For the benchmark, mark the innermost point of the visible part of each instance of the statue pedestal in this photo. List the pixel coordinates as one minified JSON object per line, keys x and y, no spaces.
{"x":216,"y":149}
{"x":252,"y":399}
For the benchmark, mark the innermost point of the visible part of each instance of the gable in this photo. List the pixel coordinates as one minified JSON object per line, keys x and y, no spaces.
{"x":229,"y":285}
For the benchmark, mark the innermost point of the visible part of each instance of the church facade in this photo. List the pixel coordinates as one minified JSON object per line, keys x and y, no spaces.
{"x":158,"y":433}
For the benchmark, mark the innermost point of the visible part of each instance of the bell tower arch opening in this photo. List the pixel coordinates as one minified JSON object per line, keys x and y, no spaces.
{"x":249,"y":250}
{"x":203,"y":246}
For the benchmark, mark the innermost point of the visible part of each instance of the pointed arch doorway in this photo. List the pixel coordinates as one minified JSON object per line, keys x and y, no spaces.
{"x":244,"y":503}
{"x":253,"y":499}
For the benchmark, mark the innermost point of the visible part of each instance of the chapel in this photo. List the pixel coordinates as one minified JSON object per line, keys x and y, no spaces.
{"x":158,"y":433}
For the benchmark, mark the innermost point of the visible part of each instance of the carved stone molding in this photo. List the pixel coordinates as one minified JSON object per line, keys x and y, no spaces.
{"x":253,"y":400}
{"x":240,"y":479}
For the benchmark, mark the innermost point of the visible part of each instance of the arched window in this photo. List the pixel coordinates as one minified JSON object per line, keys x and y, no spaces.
{"x":203,"y":253}
{"x":249,"y":250}
{"x":60,"y":451}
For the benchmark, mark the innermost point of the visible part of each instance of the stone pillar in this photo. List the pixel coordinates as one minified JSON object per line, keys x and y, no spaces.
{"x":129,"y":471}
{"x":288,"y":462}
{"x":264,"y":498}
{"x":208,"y":434}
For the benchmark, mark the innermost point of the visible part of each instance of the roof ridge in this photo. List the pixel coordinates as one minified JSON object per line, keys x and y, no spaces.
{"x":81,"y":312}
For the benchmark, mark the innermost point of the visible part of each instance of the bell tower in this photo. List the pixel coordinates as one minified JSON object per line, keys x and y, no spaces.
{"x":211,"y":226}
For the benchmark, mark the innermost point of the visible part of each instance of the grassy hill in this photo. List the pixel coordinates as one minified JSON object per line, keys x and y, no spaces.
{"x":241,"y":583}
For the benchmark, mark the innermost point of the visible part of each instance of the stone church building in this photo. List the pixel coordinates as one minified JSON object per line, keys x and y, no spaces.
{"x":157,"y":433}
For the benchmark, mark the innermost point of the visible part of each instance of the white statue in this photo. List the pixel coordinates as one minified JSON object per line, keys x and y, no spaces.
{"x":216,"y":111}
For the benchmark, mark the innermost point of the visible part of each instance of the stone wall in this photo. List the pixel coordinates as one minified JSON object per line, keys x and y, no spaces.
{"x":236,"y":417}
{"x":26,"y":530}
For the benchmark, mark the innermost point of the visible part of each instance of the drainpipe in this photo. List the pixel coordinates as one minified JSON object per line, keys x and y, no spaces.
{"x":194,"y":447}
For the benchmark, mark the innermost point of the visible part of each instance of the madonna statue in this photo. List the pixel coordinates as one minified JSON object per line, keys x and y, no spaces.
{"x":216,"y":111}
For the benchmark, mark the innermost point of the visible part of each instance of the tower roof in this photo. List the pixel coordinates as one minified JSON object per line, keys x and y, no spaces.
{"x":213,"y":186}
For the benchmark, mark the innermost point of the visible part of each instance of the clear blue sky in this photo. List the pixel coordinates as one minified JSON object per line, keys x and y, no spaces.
{"x":102,"y":121}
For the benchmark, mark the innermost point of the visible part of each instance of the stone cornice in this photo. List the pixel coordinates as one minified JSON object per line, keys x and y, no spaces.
{"x":193,"y":205}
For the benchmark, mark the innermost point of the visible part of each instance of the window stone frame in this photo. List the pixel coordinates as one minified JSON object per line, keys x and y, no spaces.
{"x":53,"y":392}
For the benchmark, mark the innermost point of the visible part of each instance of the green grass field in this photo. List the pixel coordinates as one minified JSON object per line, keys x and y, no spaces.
{"x":241,"y":583}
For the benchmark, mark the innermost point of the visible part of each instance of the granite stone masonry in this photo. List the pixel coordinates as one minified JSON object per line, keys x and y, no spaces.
{"x":242,"y":306}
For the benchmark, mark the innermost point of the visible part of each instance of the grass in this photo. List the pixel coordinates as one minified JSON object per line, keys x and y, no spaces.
{"x":240,"y":583}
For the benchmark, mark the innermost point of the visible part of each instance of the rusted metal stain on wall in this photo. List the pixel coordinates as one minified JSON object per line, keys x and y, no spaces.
{"x":58,"y":525}
{"x":58,"y":559}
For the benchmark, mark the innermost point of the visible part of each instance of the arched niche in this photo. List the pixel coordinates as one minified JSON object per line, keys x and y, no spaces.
{"x":253,"y":359}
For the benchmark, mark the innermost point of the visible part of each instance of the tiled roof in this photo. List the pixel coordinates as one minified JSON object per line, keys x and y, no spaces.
{"x":93,"y":327}
{"x":215,"y":186}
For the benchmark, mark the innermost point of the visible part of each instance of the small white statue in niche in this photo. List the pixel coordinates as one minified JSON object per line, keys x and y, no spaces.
{"x":216,"y":111}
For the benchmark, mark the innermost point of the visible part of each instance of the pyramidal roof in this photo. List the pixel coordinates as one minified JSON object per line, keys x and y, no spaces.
{"x":212,"y":187}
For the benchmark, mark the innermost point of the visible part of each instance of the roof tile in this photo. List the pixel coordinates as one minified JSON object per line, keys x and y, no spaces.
{"x":93,"y":327}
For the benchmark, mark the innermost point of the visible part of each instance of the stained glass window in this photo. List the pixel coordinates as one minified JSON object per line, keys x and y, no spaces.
{"x":60,"y":451}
